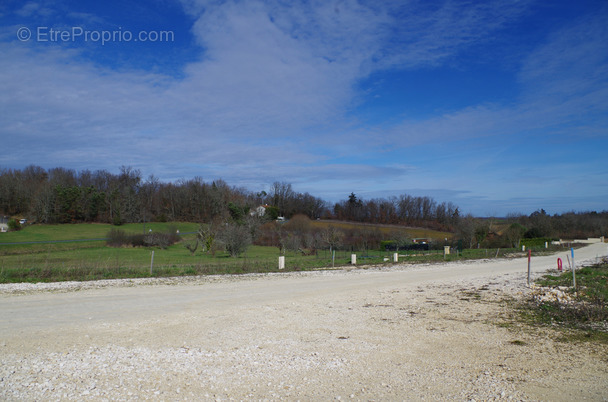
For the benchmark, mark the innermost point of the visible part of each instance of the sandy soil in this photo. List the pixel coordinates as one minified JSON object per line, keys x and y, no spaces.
{"x":433,"y":332}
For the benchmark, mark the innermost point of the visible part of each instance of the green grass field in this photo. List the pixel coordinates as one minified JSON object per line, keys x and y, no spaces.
{"x":85,"y":231}
{"x":89,"y":260}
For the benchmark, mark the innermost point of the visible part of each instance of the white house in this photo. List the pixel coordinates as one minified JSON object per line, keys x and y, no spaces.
{"x":259,"y":211}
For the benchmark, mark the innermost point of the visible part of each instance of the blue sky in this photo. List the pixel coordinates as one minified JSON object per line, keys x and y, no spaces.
{"x":497,"y":106}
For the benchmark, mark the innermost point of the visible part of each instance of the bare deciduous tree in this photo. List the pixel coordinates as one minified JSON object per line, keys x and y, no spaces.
{"x":331,"y":236}
{"x":236,"y":238}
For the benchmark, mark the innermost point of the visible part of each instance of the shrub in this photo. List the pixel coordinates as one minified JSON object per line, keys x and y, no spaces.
{"x":14,"y":225}
{"x":268,"y":235}
{"x":388,"y":245}
{"x":236,"y":238}
{"x":137,"y":240}
{"x":162,"y":240}
{"x":298,"y":224}
{"x":117,"y":238}
{"x":391,"y":245}
{"x":116,"y":220}
{"x":536,"y":242}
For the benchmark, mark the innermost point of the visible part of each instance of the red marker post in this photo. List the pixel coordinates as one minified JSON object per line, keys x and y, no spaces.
{"x":559,"y":264}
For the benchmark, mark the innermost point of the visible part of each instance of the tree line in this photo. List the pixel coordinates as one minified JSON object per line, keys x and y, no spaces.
{"x":404,"y":209}
{"x":569,"y":225}
{"x":539,"y":225}
{"x":60,"y":195}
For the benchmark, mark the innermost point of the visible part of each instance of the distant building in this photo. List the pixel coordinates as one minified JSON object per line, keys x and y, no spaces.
{"x":259,"y":211}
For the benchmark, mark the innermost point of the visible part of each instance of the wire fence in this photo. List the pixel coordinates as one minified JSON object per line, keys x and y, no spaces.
{"x":58,"y":262}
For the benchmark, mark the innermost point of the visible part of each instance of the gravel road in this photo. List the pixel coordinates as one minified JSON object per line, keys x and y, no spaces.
{"x":406,"y":332}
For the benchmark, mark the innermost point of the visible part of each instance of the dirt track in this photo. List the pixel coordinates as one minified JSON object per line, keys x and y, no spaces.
{"x":432,"y":332}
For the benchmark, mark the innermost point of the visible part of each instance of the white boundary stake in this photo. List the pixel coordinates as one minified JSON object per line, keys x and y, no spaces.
{"x":281,"y":262}
{"x":529,"y":267}
{"x":152,"y":262}
{"x":353,"y":259}
{"x":395,"y":257}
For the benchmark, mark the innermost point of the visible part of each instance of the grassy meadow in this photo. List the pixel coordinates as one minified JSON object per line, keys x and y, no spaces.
{"x":73,"y":256}
{"x":81,"y":231}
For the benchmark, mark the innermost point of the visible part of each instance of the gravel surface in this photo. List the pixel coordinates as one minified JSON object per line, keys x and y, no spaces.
{"x":432,"y":332}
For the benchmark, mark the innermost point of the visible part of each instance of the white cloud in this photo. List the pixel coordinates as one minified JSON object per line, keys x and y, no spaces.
{"x":269,"y":97}
{"x":431,"y":33}
{"x":257,"y":75}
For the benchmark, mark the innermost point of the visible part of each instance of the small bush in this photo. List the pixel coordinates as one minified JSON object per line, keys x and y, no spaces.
{"x":388,"y":245}
{"x":299,"y":224}
{"x":14,"y":225}
{"x":116,"y":220}
{"x":536,"y":242}
{"x":236,"y":239}
{"x":162,"y":240}
{"x":392,"y":245}
{"x":137,"y":240}
{"x":118,"y":238}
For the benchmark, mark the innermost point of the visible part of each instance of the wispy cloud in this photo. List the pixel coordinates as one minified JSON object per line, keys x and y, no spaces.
{"x":270,"y":93}
{"x":431,"y":33}
{"x":34,"y":9}
{"x":562,"y":82}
